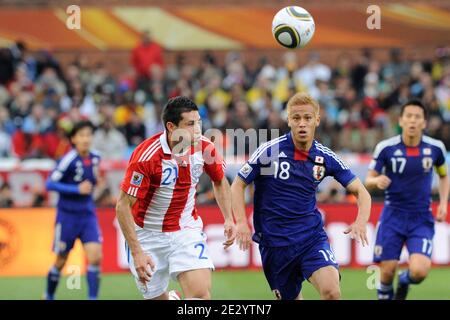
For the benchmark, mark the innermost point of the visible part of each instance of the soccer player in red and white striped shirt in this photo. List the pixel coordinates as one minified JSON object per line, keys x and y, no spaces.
{"x":156,"y":206}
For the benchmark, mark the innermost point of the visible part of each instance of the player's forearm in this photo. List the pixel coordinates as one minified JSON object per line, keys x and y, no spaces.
{"x":364,"y":200}
{"x":222,"y":193}
{"x":62,"y":187}
{"x":124,"y":216}
{"x":364,"y":204}
{"x":238,"y":201}
{"x":444,"y":187}
{"x":371,"y":182}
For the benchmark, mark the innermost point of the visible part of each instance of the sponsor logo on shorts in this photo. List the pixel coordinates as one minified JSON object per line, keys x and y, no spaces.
{"x":378,"y":250}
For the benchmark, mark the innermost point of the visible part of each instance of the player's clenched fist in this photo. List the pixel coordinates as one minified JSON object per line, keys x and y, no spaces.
{"x":85,"y":187}
{"x":144,"y":266}
{"x":383,"y":182}
{"x":243,"y":235}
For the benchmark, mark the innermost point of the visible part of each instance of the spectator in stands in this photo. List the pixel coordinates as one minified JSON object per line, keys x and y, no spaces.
{"x":109,"y":141}
{"x":143,"y":57}
{"x":134,"y":130}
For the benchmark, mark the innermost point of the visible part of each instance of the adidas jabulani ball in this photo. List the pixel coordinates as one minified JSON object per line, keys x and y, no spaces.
{"x":293,"y":27}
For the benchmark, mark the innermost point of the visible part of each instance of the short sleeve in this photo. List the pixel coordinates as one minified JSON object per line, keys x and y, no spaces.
{"x":378,"y":161}
{"x":62,"y":167}
{"x":339,"y":170}
{"x":440,"y":163}
{"x":251,"y":169}
{"x":214,"y":164}
{"x":137,"y":179}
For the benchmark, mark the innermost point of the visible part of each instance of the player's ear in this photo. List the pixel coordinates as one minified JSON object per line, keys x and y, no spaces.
{"x":170,"y":126}
{"x":317,"y":119}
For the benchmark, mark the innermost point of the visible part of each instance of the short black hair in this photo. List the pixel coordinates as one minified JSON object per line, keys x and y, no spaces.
{"x":81,"y":125}
{"x":175,"y":107}
{"x":416,"y":103}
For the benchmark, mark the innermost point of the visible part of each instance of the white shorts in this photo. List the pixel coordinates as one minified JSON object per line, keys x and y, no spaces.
{"x":172,"y":253}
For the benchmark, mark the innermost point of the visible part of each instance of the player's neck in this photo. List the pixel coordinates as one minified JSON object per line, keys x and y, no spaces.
{"x":177,"y":146}
{"x":303,"y":146}
{"x":83,"y":154}
{"x":413,"y":141}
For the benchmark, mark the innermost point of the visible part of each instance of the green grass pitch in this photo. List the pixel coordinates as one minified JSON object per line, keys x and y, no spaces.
{"x":240,"y":285}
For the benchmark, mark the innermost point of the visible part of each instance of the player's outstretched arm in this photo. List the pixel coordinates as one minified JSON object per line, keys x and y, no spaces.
{"x":222,"y":193}
{"x":142,"y":262}
{"x":375,"y":180}
{"x":243,"y":234}
{"x":444,"y":187}
{"x":358,"y":230}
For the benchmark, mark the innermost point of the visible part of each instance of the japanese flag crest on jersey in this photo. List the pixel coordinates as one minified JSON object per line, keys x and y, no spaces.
{"x":318,"y":172}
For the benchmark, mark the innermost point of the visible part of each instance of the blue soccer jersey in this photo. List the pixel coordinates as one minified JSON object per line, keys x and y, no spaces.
{"x":406,"y":218}
{"x":70,"y":171}
{"x":410,"y":170}
{"x":286,"y":182}
{"x":76,"y":218}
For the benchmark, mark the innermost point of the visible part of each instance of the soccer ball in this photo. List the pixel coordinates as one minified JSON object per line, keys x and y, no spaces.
{"x":293,"y":27}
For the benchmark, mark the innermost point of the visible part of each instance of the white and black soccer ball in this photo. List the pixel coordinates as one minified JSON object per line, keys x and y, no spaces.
{"x":293,"y":27}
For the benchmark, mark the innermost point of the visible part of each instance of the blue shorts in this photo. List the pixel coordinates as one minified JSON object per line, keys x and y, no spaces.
{"x":397,"y":228}
{"x":287,"y":267}
{"x":72,"y":226}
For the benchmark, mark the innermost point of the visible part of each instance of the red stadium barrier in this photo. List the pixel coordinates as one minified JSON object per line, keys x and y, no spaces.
{"x":26,"y":239}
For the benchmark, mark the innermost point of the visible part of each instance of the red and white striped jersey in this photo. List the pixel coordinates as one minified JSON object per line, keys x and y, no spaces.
{"x":165,"y":183}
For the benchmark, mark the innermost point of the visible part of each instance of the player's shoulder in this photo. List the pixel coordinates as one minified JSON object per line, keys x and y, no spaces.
{"x":327,"y":154}
{"x":267,"y":148}
{"x":434,"y":143}
{"x":386,"y":144}
{"x":322,"y":149}
{"x":65,"y":161}
{"x":95,"y":154}
{"x":147,"y":150}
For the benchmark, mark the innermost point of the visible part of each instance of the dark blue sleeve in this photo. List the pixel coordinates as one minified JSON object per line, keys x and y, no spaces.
{"x":252,"y":168}
{"x":249,"y":172}
{"x":379,"y":159}
{"x":62,"y":187}
{"x":339,"y":170}
{"x":54,"y":181}
{"x":442,"y":152}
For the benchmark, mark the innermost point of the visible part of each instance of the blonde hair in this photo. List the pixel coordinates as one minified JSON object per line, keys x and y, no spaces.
{"x":301,"y":99}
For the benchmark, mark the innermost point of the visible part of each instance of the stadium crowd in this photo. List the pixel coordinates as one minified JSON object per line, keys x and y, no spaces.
{"x":40,"y":98}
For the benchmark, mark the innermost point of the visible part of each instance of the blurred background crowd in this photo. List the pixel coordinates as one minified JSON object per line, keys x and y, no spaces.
{"x":360,"y":99}
{"x":40,"y":98}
